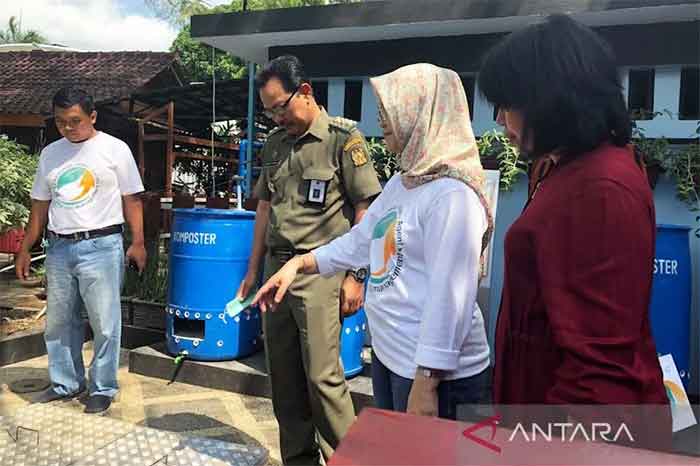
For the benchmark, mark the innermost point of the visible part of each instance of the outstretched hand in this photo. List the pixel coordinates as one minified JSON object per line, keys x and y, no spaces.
{"x":273,"y":291}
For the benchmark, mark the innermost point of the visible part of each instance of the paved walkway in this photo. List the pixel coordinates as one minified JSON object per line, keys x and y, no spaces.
{"x":177,"y":408}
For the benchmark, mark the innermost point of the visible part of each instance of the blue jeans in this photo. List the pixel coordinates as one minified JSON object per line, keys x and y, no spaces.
{"x":391,"y":391}
{"x":90,"y":273}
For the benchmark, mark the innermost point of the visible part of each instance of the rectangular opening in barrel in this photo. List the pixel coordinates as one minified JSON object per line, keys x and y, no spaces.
{"x":188,"y":328}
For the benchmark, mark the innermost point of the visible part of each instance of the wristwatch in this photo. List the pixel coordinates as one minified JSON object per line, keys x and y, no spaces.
{"x":430,"y":373}
{"x":360,"y":274}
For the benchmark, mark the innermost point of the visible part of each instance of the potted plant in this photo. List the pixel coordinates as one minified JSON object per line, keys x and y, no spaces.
{"x":497,"y":153}
{"x":385,"y":163}
{"x":684,"y":167}
{"x":654,"y":152}
{"x":17,"y":169}
{"x":145,"y":293}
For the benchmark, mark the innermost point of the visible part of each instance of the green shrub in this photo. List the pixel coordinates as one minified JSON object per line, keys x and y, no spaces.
{"x":17,"y":170}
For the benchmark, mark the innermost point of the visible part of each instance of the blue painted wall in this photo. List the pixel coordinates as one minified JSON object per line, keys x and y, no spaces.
{"x":668,"y":210}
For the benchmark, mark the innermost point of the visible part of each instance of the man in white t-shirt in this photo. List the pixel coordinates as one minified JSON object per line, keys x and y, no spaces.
{"x":86,"y":185}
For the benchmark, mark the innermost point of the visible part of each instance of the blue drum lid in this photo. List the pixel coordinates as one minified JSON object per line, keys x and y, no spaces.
{"x":215,"y":213}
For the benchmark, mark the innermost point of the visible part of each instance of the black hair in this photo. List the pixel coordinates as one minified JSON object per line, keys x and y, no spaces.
{"x":562,"y":76}
{"x":69,"y":96}
{"x":287,"y":68}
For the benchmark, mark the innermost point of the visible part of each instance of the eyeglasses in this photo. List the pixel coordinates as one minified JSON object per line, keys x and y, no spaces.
{"x":279,"y":110}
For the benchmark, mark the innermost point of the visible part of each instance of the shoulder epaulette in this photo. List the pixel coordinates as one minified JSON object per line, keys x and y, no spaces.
{"x":275,"y":131}
{"x":343,"y":123}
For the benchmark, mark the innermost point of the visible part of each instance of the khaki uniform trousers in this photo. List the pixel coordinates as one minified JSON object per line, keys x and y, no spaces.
{"x":310,"y":397}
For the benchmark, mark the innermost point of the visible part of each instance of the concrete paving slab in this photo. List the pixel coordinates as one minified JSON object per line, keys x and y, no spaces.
{"x":147,"y":402}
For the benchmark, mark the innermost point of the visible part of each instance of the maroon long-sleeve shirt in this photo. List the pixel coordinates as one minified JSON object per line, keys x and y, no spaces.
{"x":574,"y":326}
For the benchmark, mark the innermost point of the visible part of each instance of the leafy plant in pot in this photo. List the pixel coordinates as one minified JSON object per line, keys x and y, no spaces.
{"x":497,"y":153}
{"x":17,"y":168}
{"x":684,"y":167}
{"x":385,"y":163}
{"x":146,"y":293}
{"x":655,"y":153}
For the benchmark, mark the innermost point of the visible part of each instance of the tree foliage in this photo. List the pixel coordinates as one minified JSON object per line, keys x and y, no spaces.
{"x":17,"y":169}
{"x":195,"y":57}
{"x":15,"y":35}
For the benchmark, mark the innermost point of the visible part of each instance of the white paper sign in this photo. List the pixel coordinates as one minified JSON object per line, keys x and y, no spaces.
{"x":681,"y":411}
{"x":491,"y":192}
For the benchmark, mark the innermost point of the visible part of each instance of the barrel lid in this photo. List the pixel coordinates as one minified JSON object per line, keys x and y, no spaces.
{"x":668,"y":226}
{"x":215,"y":213}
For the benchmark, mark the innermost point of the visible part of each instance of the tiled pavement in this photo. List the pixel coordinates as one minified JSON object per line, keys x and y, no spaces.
{"x":179,"y":408}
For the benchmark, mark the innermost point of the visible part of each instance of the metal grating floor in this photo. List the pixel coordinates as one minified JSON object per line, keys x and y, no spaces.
{"x":45,"y":435}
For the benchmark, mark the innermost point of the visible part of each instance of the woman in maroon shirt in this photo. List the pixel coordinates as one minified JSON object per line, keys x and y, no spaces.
{"x":573,"y":326}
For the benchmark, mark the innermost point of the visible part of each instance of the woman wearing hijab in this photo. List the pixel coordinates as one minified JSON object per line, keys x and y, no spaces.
{"x":423,"y":238}
{"x":573,"y":326}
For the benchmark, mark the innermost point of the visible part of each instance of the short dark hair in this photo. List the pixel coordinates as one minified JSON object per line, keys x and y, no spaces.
{"x":563,"y":78}
{"x":287,"y":68}
{"x":69,"y":96}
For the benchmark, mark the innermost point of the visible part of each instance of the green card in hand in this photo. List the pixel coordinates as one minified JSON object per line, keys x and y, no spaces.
{"x":236,"y":306}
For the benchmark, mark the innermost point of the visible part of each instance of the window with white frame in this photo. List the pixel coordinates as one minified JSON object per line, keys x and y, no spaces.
{"x":640,"y":93}
{"x":469,"y":84}
{"x":689,"y":98}
{"x":353,"y":100}
{"x":321,"y":93}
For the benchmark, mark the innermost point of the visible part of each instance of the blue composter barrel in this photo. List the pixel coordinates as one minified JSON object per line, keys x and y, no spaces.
{"x":671,"y":295}
{"x":352,"y":339}
{"x":209,"y":251}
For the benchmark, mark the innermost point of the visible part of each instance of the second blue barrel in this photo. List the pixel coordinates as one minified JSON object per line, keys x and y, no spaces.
{"x":209,"y":251}
{"x":671,"y":296}
{"x":352,"y":340}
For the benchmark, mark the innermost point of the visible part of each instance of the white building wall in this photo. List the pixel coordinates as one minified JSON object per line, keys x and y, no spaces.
{"x":483,"y":113}
{"x":370,"y":123}
{"x":666,"y":100}
{"x":336,"y":96}
{"x":667,"y":89}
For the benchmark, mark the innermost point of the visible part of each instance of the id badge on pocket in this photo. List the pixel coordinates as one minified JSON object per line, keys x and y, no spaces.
{"x":317,"y":192}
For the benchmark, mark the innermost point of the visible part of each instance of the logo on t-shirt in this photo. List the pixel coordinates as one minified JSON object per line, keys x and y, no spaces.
{"x":75,"y":186}
{"x":387,"y":251}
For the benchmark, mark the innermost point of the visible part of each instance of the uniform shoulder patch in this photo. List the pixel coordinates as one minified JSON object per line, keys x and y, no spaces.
{"x":343,"y":123}
{"x":357,"y":149}
{"x":275,"y":130}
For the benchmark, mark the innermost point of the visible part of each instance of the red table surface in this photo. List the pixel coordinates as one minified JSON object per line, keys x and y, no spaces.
{"x":389,"y":438}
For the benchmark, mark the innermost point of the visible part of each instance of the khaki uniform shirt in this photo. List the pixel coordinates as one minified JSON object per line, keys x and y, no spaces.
{"x":312,"y":182}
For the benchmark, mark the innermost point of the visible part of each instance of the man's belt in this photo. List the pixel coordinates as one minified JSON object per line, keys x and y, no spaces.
{"x":287,"y":253}
{"x":80,"y":235}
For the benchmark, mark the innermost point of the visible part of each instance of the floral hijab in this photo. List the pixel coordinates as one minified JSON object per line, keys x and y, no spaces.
{"x":428,"y":111}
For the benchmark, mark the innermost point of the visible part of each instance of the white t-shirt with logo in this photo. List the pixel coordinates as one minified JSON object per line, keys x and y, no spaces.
{"x":423,"y":247}
{"x":85,"y":182}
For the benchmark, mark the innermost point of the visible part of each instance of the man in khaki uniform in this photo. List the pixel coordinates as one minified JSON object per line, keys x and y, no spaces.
{"x":317,"y":181}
